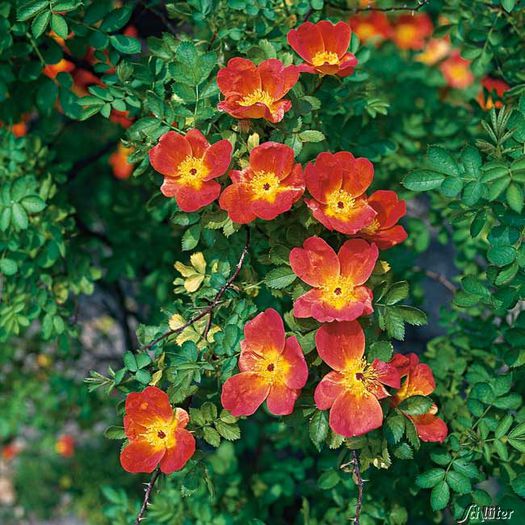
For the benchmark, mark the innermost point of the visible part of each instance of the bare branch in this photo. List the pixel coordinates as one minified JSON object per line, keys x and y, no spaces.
{"x":147,"y":496}
{"x":438,"y":277}
{"x":405,"y":7}
{"x":360,"y":483}
{"x":209,"y":309}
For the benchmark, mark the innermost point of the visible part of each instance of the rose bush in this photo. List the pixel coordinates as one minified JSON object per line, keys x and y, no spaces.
{"x":210,"y":214}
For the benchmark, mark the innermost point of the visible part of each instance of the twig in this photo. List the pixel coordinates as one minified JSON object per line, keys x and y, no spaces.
{"x":209,"y":309}
{"x":404,"y":7}
{"x":85,"y":162}
{"x":359,"y":480}
{"x":438,"y":277}
{"x":147,"y":496}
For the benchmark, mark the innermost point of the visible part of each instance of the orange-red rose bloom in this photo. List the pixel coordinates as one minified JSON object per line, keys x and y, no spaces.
{"x":337,"y":279}
{"x":419,"y":382}
{"x":456,"y":71}
{"x":256,"y":91}
{"x":435,"y":50}
{"x":411,"y":31}
{"x":189,"y":164}
{"x":493,"y":86}
{"x":118,"y":160}
{"x":384,"y":230}
{"x":65,"y":446}
{"x":82,"y":79}
{"x":62,"y":66}
{"x":10,"y":451}
{"x":156,"y":433}
{"x":352,"y":391}
{"x":269,"y":186}
{"x":121,"y":117}
{"x":371,"y":27}
{"x":19,"y":129}
{"x":337,"y":182}
{"x":272,"y":368}
{"x":324,"y":48}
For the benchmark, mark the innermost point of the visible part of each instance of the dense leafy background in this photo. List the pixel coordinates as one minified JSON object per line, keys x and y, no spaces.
{"x":88,"y":278}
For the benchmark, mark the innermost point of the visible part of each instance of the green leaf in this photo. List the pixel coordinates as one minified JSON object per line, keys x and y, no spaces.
{"x":116,"y":19}
{"x":211,"y":436}
{"x":412,"y":315}
{"x":318,"y":428}
{"x":40,"y":22}
{"x":59,"y":25}
{"x":280,"y":278}
{"x":423,"y":180}
{"x":396,"y":293}
{"x":8,"y":266}
{"x":430,"y":478}
{"x":472,"y":193}
{"x":501,"y":255}
{"x":518,"y":484}
{"x":518,"y":432}
{"x":311,"y":136}
{"x":393,"y":322}
{"x":508,"y":5}
{"x":403,"y":451}
{"x":394,"y":428}
{"x":115,"y":432}
{"x":125,"y":44}
{"x":191,"y":237}
{"x":442,"y":161}
{"x":31,"y":8}
{"x":381,"y":350}
{"x":466,"y":468}
{"x":143,"y":377}
{"x":515,"y":197}
{"x":228,"y":431}
{"x":503,"y":426}
{"x":458,"y":482}
{"x":440,"y":496}
{"x":329,"y":479}
{"x":451,"y":186}
{"x":19,"y":218}
{"x":5,"y":219}
{"x":33,"y":204}
{"x":416,"y":405}
{"x":130,"y":362}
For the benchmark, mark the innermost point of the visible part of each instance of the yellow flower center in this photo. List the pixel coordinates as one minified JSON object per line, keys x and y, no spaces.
{"x":459,"y":72}
{"x":257,"y":96}
{"x":338,"y":292}
{"x":365,"y":30}
{"x":406,"y":33}
{"x":192,"y":171}
{"x":372,"y":228}
{"x":161,"y":434}
{"x":325,"y":57}
{"x":265,"y":186}
{"x":359,"y":377}
{"x":273,"y":367}
{"x":339,"y":202}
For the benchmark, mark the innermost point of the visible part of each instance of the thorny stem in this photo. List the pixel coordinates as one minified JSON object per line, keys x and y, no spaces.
{"x":359,"y":480}
{"x":209,"y":309}
{"x":441,"y":279}
{"x":147,"y":496}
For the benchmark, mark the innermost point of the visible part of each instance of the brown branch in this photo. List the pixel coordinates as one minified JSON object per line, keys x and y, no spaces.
{"x":438,"y":277}
{"x":209,"y":309}
{"x":359,"y":480}
{"x":147,"y":496}
{"x":404,"y":7}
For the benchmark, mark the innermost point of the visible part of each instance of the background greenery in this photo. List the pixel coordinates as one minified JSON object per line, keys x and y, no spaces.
{"x":87,"y":263}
